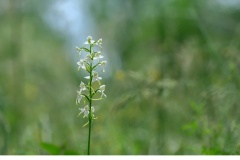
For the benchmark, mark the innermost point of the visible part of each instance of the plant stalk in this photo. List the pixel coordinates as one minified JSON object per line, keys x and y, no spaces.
{"x":89,"y":133}
{"x":90,"y":125}
{"x":90,"y":108}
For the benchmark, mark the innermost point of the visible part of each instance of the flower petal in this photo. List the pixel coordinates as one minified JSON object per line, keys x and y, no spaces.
{"x":87,"y":77}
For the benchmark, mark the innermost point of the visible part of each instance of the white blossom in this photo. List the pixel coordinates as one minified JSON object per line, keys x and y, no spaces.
{"x":81,"y":64}
{"x":79,"y":51}
{"x":98,"y":55}
{"x":89,"y":40}
{"x":101,"y":90}
{"x":103,"y":64}
{"x":99,"y":42}
{"x":93,"y":109}
{"x":79,"y":97}
{"x":82,"y":87}
{"x":85,"y":111}
{"x":87,"y":77}
{"x":94,"y":77}
{"x":89,"y":58}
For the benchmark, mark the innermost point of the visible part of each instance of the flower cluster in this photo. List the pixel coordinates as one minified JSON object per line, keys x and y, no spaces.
{"x":89,"y":64}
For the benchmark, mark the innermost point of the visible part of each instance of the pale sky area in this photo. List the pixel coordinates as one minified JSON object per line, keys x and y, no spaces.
{"x":71,"y":19}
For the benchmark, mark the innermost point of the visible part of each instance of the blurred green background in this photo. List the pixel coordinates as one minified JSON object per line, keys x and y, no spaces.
{"x":172,"y":79}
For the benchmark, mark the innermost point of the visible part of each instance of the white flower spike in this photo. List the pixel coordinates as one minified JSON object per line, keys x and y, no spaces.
{"x":91,"y":61}
{"x":88,"y":91}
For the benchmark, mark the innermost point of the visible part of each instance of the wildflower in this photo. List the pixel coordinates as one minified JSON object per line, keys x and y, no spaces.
{"x":89,"y":40}
{"x":85,"y":111}
{"x":98,"y":55}
{"x":89,"y":58}
{"x":101,"y":90}
{"x":99,"y":42}
{"x":82,"y":87}
{"x":79,"y":50}
{"x":93,"y":109}
{"x":103,"y":64}
{"x":79,"y":97}
{"x":90,"y":64}
{"x":94,"y":77}
{"x":81,"y":64}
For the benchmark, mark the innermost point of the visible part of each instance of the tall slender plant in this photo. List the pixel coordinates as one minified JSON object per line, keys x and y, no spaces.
{"x":87,"y":92}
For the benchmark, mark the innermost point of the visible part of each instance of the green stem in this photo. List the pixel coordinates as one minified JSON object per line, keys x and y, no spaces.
{"x":89,"y":131}
{"x":90,"y":107}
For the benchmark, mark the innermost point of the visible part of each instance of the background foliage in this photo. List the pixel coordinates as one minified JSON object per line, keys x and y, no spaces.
{"x":172,"y":80}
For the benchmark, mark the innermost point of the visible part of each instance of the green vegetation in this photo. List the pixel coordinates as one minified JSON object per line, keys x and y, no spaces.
{"x":173,"y":83}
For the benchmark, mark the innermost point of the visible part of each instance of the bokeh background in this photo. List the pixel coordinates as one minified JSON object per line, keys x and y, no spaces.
{"x":172,"y":79}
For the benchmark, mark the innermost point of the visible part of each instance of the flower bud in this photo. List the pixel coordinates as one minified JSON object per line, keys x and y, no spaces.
{"x":99,"y":41}
{"x":89,"y":39}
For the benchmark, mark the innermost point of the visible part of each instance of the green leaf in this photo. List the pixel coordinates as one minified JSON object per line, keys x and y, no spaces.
{"x":85,"y":49}
{"x":51,"y":148}
{"x":71,"y":152}
{"x":79,"y":49}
